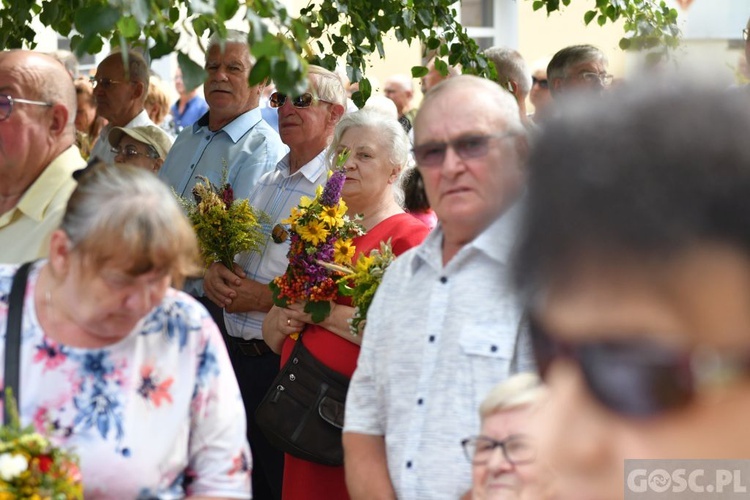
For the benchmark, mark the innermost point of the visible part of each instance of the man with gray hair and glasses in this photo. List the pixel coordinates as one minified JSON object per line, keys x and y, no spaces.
{"x":578,"y":68}
{"x":307,"y":123}
{"x":37,"y":152}
{"x":443,"y":328}
{"x":120,"y":90}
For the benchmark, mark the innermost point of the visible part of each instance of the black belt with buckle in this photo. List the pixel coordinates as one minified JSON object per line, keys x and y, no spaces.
{"x":252,"y":348}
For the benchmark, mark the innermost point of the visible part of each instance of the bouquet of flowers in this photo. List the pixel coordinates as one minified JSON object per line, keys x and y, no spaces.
{"x":30,"y":467}
{"x":224,"y":226}
{"x":362,"y":281}
{"x":320,"y":232}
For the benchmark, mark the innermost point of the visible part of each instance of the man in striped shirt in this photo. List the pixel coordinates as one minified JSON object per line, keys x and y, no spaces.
{"x":306,"y":125}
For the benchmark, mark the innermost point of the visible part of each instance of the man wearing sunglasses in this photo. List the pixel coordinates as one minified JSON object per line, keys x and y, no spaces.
{"x":634,"y":264}
{"x":120,"y":92}
{"x":578,"y":68}
{"x":37,"y":151}
{"x":444,"y":327}
{"x":306,"y":123}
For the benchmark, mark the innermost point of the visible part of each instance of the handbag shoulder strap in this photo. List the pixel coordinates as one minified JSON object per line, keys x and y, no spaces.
{"x":13,"y":332}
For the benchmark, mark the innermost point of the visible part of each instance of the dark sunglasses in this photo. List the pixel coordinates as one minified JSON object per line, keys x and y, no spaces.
{"x":542,"y":83}
{"x":305,"y":100}
{"x":467,"y":147}
{"x":638,"y":378}
{"x":7,"y":102}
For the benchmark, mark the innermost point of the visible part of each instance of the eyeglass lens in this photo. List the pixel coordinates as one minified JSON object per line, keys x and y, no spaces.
{"x":278,"y":99}
{"x":537,"y":81}
{"x":468,"y":147}
{"x":516,"y":449}
{"x":6,"y":107}
{"x":635,"y":378}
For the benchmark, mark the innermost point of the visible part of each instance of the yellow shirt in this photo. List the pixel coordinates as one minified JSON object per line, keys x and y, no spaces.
{"x":25,"y":230}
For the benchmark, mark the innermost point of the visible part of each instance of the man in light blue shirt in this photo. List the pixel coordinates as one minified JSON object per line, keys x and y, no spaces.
{"x":243,"y":292}
{"x":231,"y":135}
{"x":444,"y":326}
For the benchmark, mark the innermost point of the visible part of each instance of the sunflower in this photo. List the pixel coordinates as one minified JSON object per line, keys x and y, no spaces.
{"x":334,"y":216}
{"x":343,"y":251}
{"x":313,"y":232}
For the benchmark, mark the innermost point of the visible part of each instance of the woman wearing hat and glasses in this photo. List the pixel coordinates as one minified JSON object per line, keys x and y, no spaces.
{"x":145,"y":146}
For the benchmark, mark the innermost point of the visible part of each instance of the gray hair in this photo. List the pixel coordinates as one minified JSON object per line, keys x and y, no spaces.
{"x":501,"y":102}
{"x":388,"y":129}
{"x":403,"y":81}
{"x":122,"y":213}
{"x":327,"y":85}
{"x":568,"y":57}
{"x":232,"y":36}
{"x":510,"y":66}
{"x":522,"y":389}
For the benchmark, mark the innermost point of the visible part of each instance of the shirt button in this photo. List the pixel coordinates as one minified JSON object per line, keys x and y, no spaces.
{"x":408,"y":464}
{"x":192,"y":167}
{"x":420,"y":401}
{"x":432,"y":338}
{"x":443,"y":280}
{"x":493,"y":348}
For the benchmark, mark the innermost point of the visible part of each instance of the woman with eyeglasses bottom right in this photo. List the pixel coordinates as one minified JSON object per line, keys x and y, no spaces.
{"x":503,"y":457}
{"x":634,"y":264}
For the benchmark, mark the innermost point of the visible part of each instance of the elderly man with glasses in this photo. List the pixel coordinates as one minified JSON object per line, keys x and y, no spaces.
{"x":306,"y":123}
{"x":37,"y":151}
{"x":120,"y":90}
{"x":444,"y":327}
{"x":578,"y":68}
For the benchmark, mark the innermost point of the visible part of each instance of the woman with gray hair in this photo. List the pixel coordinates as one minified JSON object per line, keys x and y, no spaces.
{"x":503,"y":456}
{"x":116,"y":365}
{"x":379,"y":150}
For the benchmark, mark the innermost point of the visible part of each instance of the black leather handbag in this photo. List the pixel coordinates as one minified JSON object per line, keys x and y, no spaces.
{"x":303,"y":412}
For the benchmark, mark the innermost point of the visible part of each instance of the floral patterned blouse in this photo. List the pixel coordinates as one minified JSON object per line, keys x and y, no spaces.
{"x":155,"y":415}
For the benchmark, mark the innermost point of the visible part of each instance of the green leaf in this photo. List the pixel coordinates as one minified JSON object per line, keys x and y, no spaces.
{"x":128,"y":27}
{"x":96,"y":19}
{"x":193,"y":74}
{"x":226,"y":9}
{"x":602,"y":19}
{"x":538,"y":4}
{"x":261,"y":70}
{"x":624,"y":43}
{"x":589,"y":16}
{"x":164,"y":46}
{"x":318,"y":310}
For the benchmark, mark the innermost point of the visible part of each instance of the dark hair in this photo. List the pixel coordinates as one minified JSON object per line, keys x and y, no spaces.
{"x":635,"y":178}
{"x":415,"y":198}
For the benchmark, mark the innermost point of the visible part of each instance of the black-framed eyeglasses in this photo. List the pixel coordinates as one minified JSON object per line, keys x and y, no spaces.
{"x":7,"y":102}
{"x":432,"y":154}
{"x":130,"y":151}
{"x":104,"y":83}
{"x":543,"y":83}
{"x":305,"y":100}
{"x":639,"y":378}
{"x":518,"y":449}
{"x":745,"y":34}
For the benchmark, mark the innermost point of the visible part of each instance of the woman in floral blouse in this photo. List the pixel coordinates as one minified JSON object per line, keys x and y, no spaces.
{"x":127,"y":372}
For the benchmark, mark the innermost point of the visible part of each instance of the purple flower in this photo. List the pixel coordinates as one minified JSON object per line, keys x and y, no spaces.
{"x":332,"y":190}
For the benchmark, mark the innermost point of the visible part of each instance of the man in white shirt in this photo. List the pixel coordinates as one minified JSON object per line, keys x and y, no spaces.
{"x":120,"y":94}
{"x":307,"y":127}
{"x":444,"y":326}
